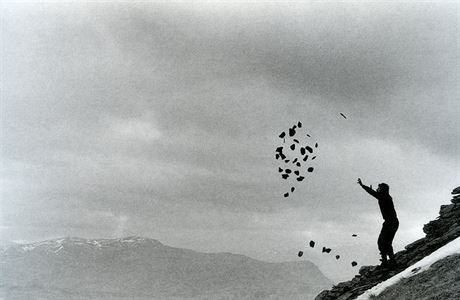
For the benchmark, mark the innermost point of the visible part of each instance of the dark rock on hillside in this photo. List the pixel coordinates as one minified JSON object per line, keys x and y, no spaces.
{"x":456,"y":199}
{"x":438,"y":232}
{"x":456,"y":193}
{"x":456,"y":190}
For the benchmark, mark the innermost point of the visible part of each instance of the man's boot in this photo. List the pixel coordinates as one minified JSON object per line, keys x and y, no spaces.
{"x":384,"y":262}
{"x":392,"y":263}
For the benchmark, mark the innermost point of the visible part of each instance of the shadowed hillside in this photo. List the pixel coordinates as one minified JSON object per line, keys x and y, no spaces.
{"x":138,"y":268}
{"x":441,"y":281}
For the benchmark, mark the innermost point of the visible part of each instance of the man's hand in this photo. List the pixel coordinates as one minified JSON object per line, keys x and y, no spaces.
{"x":368,"y":189}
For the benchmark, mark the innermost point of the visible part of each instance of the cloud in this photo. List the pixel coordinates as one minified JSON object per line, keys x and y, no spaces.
{"x":120,"y":232}
{"x":136,"y":129}
{"x":161,"y":119}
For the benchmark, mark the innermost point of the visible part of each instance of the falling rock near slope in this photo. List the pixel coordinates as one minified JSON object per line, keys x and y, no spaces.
{"x":326,"y":250}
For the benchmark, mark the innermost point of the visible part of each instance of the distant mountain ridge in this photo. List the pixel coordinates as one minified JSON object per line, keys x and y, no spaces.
{"x":142,"y":268}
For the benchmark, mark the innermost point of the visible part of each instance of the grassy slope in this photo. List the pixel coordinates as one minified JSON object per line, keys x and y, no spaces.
{"x":441,"y":281}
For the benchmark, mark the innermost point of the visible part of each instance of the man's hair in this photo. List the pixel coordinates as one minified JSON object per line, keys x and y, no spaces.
{"x":384,"y":187}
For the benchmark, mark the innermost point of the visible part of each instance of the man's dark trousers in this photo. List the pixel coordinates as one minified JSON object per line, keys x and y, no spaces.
{"x":386,"y":236}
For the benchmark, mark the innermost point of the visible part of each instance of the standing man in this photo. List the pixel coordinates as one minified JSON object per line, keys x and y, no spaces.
{"x":390,"y":224}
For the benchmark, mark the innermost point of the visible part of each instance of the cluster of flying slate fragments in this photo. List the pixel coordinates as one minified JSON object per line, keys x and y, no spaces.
{"x":297,"y":162}
{"x":328,"y":250}
{"x":294,"y":154}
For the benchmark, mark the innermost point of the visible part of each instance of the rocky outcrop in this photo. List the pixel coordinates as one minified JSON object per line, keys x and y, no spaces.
{"x":438,"y":232}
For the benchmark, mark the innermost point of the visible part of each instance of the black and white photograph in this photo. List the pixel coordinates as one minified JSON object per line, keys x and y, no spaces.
{"x":211,"y":150}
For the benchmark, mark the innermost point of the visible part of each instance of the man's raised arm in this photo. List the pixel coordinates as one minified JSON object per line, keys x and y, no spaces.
{"x":367,"y":188}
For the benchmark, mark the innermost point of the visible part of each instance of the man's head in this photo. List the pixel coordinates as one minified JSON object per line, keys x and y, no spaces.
{"x":383,"y":188}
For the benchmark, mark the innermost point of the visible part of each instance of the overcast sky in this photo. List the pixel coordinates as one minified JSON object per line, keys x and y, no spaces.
{"x":161,"y":120}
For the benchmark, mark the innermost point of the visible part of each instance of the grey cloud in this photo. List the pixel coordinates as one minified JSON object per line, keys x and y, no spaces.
{"x":169,"y":115}
{"x":171,"y":61}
